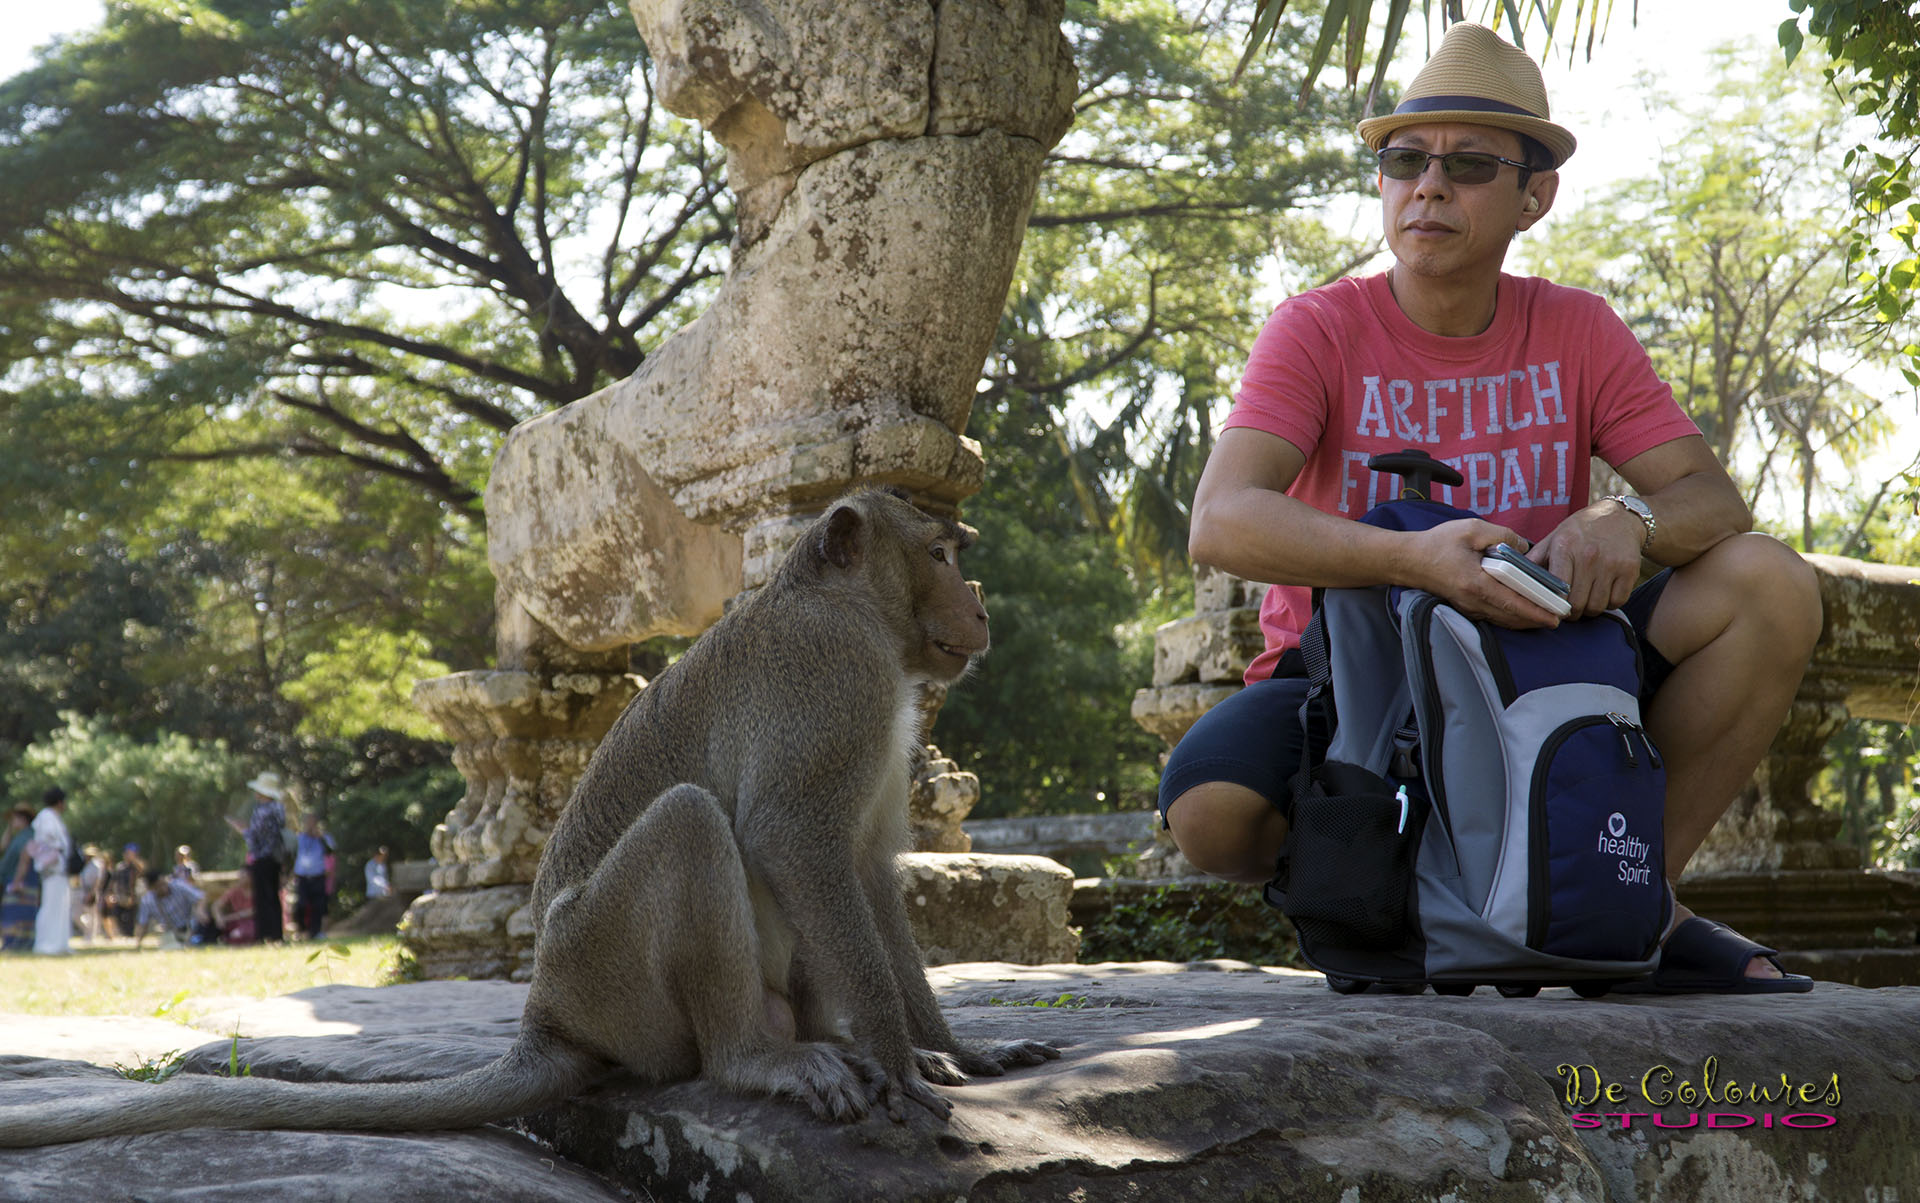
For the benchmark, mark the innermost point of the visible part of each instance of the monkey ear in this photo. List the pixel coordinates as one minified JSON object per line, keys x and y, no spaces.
{"x":840,"y":538}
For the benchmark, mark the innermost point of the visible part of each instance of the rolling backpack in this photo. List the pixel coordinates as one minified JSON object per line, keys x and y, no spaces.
{"x":1475,"y":805}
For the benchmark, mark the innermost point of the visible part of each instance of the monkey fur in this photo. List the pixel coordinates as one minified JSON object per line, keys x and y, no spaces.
{"x":719,"y":899}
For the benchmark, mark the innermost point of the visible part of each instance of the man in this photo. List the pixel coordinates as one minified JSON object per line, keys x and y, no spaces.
{"x":265,"y":834}
{"x":168,"y":906}
{"x":310,"y":878}
{"x":1516,"y":382}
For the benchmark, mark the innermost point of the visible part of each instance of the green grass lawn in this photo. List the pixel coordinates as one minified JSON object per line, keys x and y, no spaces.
{"x":110,"y":980}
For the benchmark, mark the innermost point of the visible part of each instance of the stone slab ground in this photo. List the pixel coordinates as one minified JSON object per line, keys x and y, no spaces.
{"x":1216,"y":1081}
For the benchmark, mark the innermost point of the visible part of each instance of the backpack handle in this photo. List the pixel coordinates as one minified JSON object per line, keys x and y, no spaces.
{"x":1417,"y":469}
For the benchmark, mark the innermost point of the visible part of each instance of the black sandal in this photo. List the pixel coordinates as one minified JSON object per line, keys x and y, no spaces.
{"x":1704,"y":957}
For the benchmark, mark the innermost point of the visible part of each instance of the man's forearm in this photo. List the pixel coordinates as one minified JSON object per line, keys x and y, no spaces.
{"x":1693,"y":514}
{"x":1265,"y":536}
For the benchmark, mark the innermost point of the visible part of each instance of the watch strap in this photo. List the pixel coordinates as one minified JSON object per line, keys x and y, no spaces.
{"x":1639,"y":509}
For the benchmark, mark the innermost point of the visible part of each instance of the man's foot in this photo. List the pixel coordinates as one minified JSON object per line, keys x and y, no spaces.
{"x":1700,"y":956}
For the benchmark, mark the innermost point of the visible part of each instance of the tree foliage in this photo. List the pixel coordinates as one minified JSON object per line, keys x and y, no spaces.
{"x":1346,"y":25}
{"x":1874,"y":51}
{"x":274,"y":280}
{"x":1178,"y":198}
{"x":157,"y":792}
{"x":1730,"y":261}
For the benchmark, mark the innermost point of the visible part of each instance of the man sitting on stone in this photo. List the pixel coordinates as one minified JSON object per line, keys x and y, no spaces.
{"x":169,"y":906}
{"x":1516,"y":382}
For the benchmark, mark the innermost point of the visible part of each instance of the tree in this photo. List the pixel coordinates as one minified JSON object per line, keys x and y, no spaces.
{"x":274,"y":280}
{"x":375,"y":231}
{"x":1352,"y":18}
{"x":1730,"y":262}
{"x":1874,"y":53}
{"x":1177,"y":198}
{"x":157,"y":793}
{"x":1174,"y":202}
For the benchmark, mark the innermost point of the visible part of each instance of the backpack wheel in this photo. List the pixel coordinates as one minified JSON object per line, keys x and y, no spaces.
{"x":1345,"y":985}
{"x":1517,"y":990}
{"x":1592,"y":989}
{"x":1453,"y":989}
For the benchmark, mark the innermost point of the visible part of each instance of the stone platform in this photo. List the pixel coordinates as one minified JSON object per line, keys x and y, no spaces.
{"x":1214,"y":1081}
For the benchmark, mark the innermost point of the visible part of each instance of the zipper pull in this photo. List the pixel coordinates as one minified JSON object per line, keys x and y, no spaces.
{"x":1653,"y":753}
{"x":1623,"y":725}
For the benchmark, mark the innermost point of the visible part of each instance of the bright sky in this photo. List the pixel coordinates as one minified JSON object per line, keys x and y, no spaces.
{"x":31,"y":23}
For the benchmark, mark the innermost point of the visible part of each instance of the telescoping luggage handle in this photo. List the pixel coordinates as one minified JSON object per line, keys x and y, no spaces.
{"x":1417,"y":471}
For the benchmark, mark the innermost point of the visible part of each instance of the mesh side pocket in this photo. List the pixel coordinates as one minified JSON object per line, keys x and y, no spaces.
{"x":1349,"y":863}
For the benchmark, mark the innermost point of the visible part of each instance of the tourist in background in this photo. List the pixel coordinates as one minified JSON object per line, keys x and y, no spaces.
{"x":168,"y":907}
{"x":122,"y":903}
{"x":90,"y":894}
{"x":233,"y":913}
{"x":19,"y":884}
{"x":377,"y":884}
{"x":53,"y":926}
{"x":185,"y":868}
{"x":264,"y":831}
{"x":310,"y":877}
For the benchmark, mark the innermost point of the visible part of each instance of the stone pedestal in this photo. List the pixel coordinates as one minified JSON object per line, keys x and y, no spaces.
{"x":969,"y":907}
{"x":1199,"y":662}
{"x":521,"y":740}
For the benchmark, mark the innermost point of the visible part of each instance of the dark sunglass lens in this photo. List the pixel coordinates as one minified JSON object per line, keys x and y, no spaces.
{"x":1466,"y":168}
{"x":1403,"y":164}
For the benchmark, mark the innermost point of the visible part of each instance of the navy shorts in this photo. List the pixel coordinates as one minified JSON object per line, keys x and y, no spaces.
{"x":1253,"y":738}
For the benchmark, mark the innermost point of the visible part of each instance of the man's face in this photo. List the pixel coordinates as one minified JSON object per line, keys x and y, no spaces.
{"x":1437,"y":228}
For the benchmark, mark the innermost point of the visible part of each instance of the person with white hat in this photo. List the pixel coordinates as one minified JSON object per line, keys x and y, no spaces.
{"x":266,"y":842}
{"x":1516,"y":382}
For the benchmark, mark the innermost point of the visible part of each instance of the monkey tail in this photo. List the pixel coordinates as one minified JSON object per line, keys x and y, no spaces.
{"x":537,"y":1070}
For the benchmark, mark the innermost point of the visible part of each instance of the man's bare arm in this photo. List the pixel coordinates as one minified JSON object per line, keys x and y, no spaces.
{"x":1695,"y":505}
{"x":1244,"y":523}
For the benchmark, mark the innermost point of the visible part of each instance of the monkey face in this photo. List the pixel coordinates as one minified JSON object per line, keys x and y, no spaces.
{"x":950,"y":610}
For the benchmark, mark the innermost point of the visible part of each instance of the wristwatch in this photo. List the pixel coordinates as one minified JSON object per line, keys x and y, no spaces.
{"x":1640,"y":510}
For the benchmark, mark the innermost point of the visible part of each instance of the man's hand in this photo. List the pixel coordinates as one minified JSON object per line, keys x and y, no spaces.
{"x":1597,"y":552}
{"x":1447,"y":564}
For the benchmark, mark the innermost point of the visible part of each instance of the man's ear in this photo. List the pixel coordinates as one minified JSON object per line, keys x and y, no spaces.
{"x":840,"y":538}
{"x":1541,"y":190}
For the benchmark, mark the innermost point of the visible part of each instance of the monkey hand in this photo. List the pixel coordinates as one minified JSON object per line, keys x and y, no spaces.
{"x":993,"y":1060}
{"x":833,"y":1082}
{"x":894,"y":1091}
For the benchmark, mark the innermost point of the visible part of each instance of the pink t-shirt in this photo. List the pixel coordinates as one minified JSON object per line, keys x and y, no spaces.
{"x":1343,"y":374}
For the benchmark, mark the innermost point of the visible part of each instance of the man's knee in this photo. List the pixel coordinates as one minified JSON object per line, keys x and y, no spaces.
{"x":1227,"y":830}
{"x":1774,"y":585}
{"x":1750,"y":583}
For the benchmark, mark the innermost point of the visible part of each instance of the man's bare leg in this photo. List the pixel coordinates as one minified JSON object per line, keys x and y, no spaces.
{"x":1739,"y":625}
{"x":1228,"y":831}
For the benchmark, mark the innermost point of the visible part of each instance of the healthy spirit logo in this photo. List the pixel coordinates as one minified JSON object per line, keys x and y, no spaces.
{"x":1661,"y":1087}
{"x":1630,"y":849}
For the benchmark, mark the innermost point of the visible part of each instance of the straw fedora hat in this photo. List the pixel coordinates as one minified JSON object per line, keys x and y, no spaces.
{"x":267,"y":783}
{"x":1481,"y":79}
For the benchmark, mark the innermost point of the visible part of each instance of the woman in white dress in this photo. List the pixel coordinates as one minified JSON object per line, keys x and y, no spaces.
{"x":53,"y":926}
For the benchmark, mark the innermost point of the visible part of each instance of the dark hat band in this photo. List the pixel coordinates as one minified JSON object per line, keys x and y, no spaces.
{"x":1470,"y":104}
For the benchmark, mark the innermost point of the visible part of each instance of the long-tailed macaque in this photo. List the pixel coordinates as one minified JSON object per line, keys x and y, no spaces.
{"x":719,"y":898}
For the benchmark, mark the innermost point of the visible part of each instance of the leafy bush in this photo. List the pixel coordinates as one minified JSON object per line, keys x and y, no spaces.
{"x":1190,"y":921}
{"x":156,"y":792}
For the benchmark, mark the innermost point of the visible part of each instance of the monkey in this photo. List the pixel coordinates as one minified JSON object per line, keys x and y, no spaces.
{"x":718,"y":899}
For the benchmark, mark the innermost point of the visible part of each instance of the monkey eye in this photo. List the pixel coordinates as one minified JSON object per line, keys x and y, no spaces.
{"x":939,"y":551}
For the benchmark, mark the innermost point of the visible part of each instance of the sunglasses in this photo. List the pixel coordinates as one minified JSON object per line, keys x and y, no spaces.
{"x":1461,"y":166}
